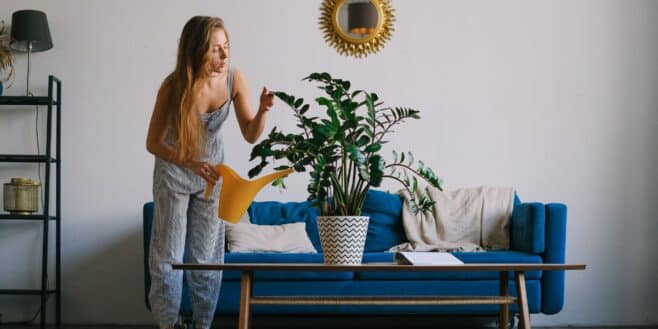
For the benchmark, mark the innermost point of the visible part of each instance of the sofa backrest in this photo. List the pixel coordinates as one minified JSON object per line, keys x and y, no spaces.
{"x":384,"y":229}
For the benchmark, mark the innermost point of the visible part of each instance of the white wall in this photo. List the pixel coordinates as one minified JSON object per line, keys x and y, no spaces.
{"x":555,"y":98}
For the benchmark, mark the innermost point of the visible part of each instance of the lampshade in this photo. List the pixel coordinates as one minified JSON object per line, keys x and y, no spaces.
{"x":361,"y":17}
{"x":30,"y":26}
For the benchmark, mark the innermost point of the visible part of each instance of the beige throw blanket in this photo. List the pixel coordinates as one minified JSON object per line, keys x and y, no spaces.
{"x":469,"y":219}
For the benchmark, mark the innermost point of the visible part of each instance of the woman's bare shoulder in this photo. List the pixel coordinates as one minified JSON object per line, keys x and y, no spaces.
{"x":237,"y":74}
{"x":239,"y":81}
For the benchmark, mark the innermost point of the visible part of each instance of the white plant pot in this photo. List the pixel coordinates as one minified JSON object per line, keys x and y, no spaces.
{"x":343,"y":238}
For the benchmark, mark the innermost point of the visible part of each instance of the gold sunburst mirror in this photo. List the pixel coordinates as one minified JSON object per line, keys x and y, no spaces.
{"x":357,"y":27}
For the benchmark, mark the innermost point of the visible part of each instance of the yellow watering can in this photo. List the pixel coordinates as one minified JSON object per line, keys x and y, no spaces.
{"x":237,"y":193}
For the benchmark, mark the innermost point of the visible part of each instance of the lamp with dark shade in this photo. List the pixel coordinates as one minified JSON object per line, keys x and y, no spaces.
{"x":361,"y":17}
{"x":30,"y":33}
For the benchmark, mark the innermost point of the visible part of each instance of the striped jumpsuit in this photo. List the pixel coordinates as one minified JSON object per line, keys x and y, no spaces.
{"x":184,"y":223}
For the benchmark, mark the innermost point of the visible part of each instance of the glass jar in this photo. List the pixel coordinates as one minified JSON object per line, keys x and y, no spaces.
{"x":21,"y":196}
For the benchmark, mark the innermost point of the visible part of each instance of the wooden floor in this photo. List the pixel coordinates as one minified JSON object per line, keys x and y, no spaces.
{"x":339,"y":322}
{"x":354,"y":323}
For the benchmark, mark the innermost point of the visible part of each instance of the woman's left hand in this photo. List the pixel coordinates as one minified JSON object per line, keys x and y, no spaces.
{"x":266,"y":100}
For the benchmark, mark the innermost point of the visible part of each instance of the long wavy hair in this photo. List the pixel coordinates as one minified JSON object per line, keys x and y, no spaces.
{"x":193,"y":56}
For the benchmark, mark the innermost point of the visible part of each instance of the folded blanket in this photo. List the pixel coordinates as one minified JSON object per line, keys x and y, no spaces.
{"x":469,"y":219}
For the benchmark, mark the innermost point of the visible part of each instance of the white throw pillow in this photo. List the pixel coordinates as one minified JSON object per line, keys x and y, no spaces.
{"x":248,"y":237}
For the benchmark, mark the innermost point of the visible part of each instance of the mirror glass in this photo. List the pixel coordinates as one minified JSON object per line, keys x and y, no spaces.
{"x":358,"y":18}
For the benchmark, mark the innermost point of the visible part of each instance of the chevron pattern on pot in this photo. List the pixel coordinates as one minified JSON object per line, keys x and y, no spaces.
{"x":343,"y":238}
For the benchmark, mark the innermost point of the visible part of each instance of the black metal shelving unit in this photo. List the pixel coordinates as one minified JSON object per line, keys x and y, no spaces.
{"x":53,"y":102}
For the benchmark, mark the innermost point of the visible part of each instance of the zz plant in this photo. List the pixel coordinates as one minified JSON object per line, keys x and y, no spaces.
{"x":342,"y":150}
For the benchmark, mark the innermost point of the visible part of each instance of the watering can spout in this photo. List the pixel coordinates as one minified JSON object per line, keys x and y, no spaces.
{"x":237,"y":193}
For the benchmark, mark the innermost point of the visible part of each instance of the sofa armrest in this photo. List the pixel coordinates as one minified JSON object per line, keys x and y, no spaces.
{"x":528,"y":228}
{"x":556,"y":237}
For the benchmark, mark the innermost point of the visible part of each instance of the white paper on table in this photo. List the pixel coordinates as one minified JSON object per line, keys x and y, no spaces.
{"x":426,"y":258}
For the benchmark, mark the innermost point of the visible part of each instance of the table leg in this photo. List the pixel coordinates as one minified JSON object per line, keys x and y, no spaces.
{"x":522,"y":299}
{"x":245,"y":300}
{"x":504,"y":308}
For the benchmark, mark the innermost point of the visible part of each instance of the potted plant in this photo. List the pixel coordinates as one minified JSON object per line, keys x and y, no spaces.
{"x":341,"y":151}
{"x":6,"y":60}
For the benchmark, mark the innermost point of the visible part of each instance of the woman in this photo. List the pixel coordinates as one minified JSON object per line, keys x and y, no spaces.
{"x":192,"y":104}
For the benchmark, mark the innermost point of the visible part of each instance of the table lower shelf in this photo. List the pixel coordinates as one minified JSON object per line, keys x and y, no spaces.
{"x":25,"y":291}
{"x":381,"y":300}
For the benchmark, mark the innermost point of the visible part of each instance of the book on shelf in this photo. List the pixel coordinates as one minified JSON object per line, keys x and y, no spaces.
{"x":426,"y":258}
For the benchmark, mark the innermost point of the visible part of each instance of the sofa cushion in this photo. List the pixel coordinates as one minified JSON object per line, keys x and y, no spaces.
{"x":385,"y":227}
{"x":277,"y":213}
{"x":466,"y":257}
{"x":238,"y":257}
{"x":247,"y":237}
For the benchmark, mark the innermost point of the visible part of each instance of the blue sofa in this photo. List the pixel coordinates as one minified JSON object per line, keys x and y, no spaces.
{"x":538,"y":233}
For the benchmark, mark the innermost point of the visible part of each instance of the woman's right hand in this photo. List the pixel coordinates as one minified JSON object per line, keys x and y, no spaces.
{"x":205,"y":170}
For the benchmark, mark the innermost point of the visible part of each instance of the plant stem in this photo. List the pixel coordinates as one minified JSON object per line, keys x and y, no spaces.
{"x":411,"y":193}
{"x":402,"y":165}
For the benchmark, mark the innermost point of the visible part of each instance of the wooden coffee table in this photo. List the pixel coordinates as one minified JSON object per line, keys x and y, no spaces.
{"x":504,"y":299}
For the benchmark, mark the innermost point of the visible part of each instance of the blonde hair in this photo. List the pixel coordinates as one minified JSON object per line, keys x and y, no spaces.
{"x":193,"y":54}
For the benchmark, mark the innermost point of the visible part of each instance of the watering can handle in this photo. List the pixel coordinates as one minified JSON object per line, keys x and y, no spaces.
{"x":210,"y":187}
{"x":208,"y":191}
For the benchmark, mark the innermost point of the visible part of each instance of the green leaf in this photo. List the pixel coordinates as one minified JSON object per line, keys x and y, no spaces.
{"x":257,"y":169}
{"x":345,"y":84}
{"x":331,"y":112}
{"x":323,"y":77}
{"x":337,"y":93}
{"x":363,"y":141}
{"x":376,"y":169}
{"x":374,"y":97}
{"x":363,"y":173}
{"x":288,"y":99}
{"x":373,"y":148}
{"x":280,"y":183}
{"x":356,"y":93}
{"x":355,"y":154}
{"x":323,"y":101}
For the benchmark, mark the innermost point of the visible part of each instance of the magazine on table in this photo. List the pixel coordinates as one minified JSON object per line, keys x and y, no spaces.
{"x":426,"y":258}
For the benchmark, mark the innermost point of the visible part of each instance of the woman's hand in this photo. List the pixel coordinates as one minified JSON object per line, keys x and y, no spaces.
{"x":266,"y":100}
{"x":205,"y":171}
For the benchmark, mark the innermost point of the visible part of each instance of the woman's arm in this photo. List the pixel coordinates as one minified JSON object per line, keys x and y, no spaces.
{"x":156,"y":145}
{"x":251,"y":125}
{"x":155,"y":140}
